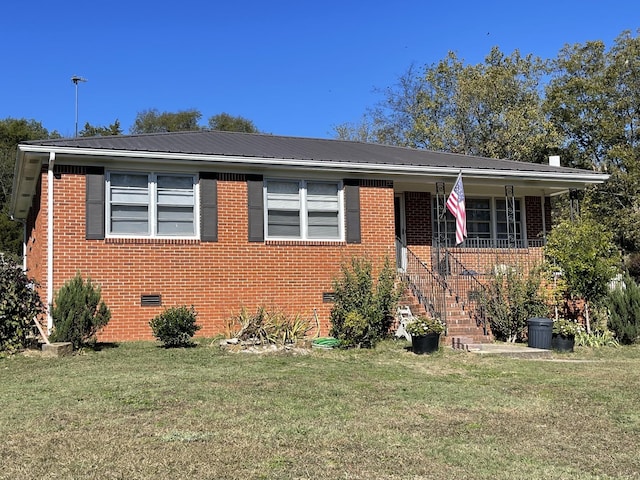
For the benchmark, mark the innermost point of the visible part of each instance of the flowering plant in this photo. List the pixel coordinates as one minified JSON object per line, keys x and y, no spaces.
{"x":566,"y":328}
{"x":423,"y":325}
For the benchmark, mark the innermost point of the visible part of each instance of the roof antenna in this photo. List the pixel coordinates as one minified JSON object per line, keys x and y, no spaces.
{"x":76,"y":79}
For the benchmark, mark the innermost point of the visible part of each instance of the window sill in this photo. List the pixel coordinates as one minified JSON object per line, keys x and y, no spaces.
{"x":156,"y":240}
{"x":307,"y":243}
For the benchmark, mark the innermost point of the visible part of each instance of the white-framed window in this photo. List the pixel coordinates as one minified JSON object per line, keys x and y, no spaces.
{"x":141,"y":204}
{"x":486,"y":223}
{"x":303,"y":209}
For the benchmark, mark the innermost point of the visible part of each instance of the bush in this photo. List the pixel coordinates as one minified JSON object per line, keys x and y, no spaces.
{"x":19,"y":305}
{"x":585,"y":254}
{"x":624,"y":311}
{"x":510,"y":299}
{"x":175,"y":326}
{"x":78,"y":313}
{"x":356,"y":331}
{"x":596,"y":339}
{"x":375,"y":304}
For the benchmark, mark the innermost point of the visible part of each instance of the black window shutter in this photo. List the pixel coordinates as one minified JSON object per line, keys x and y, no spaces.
{"x":256,"y":208}
{"x":208,"y":207}
{"x":352,"y":210}
{"x":94,"y":203}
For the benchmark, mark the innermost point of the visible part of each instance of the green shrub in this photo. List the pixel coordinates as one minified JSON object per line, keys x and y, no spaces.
{"x":175,"y":326}
{"x":624,"y":311}
{"x":512,"y":297}
{"x":355,"y":292}
{"x":19,"y":305}
{"x":585,"y":254}
{"x":596,"y":339}
{"x":356,"y":331}
{"x":78,"y":313}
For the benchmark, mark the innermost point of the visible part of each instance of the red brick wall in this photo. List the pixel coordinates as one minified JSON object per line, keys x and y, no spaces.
{"x":217,"y":278}
{"x":418,"y":218}
{"x":419,"y":228}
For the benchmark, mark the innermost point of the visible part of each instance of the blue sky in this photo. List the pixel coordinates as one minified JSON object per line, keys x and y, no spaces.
{"x":292,"y":67}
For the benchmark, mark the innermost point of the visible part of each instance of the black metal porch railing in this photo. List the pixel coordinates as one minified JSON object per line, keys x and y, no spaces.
{"x":466,"y":287}
{"x":481,"y":256}
{"x":428,"y":288}
{"x":459,"y":271}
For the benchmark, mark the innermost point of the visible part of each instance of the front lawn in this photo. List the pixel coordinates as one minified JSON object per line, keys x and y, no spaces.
{"x":135,"y":410}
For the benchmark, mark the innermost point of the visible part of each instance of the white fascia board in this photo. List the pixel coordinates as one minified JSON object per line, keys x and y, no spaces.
{"x":327,"y":165}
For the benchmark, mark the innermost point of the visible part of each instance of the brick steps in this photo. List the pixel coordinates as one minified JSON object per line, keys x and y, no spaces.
{"x":461,"y":329}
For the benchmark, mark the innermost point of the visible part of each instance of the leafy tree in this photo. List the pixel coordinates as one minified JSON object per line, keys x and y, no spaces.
{"x":587,"y":258}
{"x":492,"y":109}
{"x":19,"y":305}
{"x":12,"y":132}
{"x":228,"y":123}
{"x":152,"y":121}
{"x":91,"y":131}
{"x":594,"y":99}
{"x":357,"y":132}
{"x":78,"y":313}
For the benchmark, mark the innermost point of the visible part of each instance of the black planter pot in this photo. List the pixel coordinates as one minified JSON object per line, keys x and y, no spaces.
{"x":425,"y":343}
{"x":563,"y":343}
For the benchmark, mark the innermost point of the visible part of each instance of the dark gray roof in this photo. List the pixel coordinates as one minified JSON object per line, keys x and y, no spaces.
{"x":280,"y":147}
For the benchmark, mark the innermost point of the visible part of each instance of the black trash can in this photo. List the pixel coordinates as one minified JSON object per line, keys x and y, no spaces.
{"x":540,"y":332}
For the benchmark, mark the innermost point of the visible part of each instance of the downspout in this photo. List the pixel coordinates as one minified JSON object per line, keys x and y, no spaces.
{"x":24,"y":244}
{"x":52,"y":161}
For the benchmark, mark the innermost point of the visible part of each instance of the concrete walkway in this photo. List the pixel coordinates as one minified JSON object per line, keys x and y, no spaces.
{"x":514,"y":350}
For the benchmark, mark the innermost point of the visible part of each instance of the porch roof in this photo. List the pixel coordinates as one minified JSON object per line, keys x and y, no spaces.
{"x":238,"y":150}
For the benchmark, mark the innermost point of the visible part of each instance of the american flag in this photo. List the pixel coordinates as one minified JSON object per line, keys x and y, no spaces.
{"x":455,"y":204}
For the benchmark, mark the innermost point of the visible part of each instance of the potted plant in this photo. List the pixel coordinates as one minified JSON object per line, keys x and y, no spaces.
{"x":564,"y":334}
{"x":425,"y":334}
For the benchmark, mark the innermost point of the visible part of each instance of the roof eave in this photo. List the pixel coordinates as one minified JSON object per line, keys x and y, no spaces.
{"x":31,"y":157}
{"x":355,"y":167}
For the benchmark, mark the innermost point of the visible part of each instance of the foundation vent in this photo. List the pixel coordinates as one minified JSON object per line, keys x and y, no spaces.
{"x":150,"y":300}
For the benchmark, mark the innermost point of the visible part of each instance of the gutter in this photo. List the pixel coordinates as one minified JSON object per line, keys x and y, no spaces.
{"x":327,"y":165}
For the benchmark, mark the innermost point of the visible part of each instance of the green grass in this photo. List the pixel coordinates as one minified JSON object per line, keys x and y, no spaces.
{"x":139,"y":411}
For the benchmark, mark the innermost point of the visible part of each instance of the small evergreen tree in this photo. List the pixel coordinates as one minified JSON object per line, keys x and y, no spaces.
{"x":19,"y":305}
{"x":363,"y":310}
{"x":78,"y":313}
{"x":624,"y":311}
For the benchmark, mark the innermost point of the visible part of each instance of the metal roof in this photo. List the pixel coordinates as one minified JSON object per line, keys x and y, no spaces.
{"x":249,"y":150}
{"x":211,"y":142}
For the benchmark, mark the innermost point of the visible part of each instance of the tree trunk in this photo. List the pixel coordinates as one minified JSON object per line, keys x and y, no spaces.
{"x":586,"y":317}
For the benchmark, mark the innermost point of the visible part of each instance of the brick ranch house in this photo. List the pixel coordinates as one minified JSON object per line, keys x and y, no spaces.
{"x":222,"y":220}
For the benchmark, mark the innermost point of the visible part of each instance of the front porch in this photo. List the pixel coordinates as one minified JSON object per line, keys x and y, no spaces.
{"x":447,"y":280}
{"x":448,"y":283}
